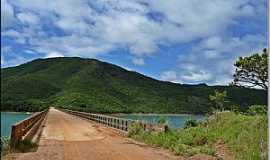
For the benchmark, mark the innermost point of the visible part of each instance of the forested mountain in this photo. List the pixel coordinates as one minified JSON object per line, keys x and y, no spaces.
{"x":95,"y":86}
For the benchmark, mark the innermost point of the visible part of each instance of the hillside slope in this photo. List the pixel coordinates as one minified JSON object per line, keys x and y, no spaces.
{"x":92,"y":85}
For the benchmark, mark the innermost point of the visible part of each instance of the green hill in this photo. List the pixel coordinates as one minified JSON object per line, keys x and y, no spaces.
{"x":95,"y":86}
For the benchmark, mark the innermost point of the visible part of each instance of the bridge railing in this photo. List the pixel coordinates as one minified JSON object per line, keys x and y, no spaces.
{"x":118,"y":123}
{"x":25,"y":129}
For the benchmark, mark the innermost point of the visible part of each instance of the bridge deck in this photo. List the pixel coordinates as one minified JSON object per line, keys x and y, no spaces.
{"x":67,"y":137}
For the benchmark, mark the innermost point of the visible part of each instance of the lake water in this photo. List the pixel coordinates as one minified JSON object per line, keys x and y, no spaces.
{"x":174,"y":121}
{"x":8,"y":119}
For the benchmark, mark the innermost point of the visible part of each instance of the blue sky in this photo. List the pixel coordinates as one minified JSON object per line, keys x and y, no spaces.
{"x":182,"y":41}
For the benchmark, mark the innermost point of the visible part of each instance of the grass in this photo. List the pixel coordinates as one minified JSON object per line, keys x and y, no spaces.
{"x":22,"y":147}
{"x":5,"y":148}
{"x":26,"y":146}
{"x":245,"y":135}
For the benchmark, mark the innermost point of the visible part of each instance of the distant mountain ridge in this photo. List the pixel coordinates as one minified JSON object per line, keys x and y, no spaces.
{"x":95,"y":86}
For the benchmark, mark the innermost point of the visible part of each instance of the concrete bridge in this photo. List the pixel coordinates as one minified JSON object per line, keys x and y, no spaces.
{"x":77,"y":136}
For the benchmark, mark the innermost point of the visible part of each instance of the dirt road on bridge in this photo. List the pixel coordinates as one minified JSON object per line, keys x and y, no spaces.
{"x":67,"y":137}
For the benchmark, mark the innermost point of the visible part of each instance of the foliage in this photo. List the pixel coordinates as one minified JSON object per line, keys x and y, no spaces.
{"x":22,"y":146}
{"x":26,"y":146}
{"x":134,"y":129}
{"x":190,"y":123}
{"x":5,"y":148}
{"x":257,"y":109}
{"x":252,"y":71}
{"x":90,"y":85}
{"x":245,"y":135}
{"x":219,"y":99}
{"x":162,"y":120}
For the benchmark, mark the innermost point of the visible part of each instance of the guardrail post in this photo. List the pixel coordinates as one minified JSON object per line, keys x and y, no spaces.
{"x":14,"y":138}
{"x":122,"y":124}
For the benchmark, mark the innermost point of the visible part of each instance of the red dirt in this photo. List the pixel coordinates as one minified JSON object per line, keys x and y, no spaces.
{"x":67,"y":137}
{"x":202,"y":157}
{"x":223,"y":151}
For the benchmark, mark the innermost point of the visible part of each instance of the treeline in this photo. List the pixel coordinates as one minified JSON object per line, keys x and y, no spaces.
{"x":90,"y":85}
{"x":23,"y":106}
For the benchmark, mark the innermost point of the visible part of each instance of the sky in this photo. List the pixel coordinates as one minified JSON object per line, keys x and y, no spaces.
{"x":182,"y":41}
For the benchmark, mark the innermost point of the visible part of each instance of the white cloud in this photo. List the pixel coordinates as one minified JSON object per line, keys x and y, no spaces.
{"x":199,"y":19}
{"x":54,"y":54}
{"x":197,"y":76}
{"x":29,"y":51}
{"x":169,"y":76}
{"x":28,"y":18}
{"x":11,"y":33}
{"x":2,"y":60}
{"x":212,"y":59}
{"x":72,"y":45}
{"x":118,"y":24}
{"x":7,"y":14}
{"x":190,"y":77}
{"x":138,"y":61}
{"x":211,"y":54}
{"x":13,"y":59}
{"x":18,"y":37}
{"x":5,"y":49}
{"x":213,"y":42}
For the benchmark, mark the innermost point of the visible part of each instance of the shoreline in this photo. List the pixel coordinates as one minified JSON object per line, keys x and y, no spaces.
{"x":17,"y":112}
{"x":119,"y":114}
{"x":157,"y":114}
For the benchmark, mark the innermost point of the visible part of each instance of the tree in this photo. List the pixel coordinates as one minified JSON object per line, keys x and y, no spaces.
{"x":252,"y":71}
{"x":218,"y":99}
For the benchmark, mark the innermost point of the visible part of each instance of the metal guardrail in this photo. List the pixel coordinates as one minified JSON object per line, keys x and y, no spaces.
{"x":118,"y":123}
{"x":19,"y":130}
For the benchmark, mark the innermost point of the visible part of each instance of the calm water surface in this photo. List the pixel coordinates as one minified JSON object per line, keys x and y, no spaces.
{"x":174,"y":121}
{"x":7,"y":119}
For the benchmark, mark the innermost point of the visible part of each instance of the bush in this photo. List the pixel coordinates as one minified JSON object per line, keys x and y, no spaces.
{"x":162,"y":120}
{"x":134,"y":129}
{"x":190,"y":123}
{"x":4,"y":145}
{"x":26,"y":146}
{"x":257,"y":109}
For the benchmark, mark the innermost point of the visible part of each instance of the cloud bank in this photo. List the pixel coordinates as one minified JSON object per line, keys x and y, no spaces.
{"x":216,"y":31}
